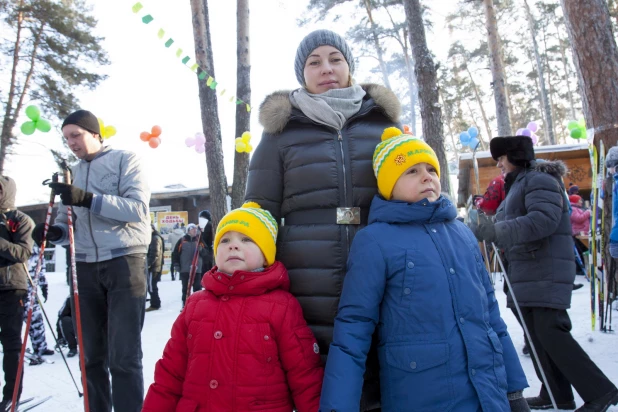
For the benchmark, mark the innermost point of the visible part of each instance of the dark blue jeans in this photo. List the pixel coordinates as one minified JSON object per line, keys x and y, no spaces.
{"x":112,"y":299}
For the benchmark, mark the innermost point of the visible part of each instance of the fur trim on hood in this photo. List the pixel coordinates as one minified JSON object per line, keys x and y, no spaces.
{"x":276,"y":109}
{"x":556,"y":168}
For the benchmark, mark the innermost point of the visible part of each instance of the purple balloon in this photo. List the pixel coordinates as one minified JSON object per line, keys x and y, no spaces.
{"x":533,"y":127}
{"x":526,"y":132}
{"x":535,"y":139}
{"x":519,"y":132}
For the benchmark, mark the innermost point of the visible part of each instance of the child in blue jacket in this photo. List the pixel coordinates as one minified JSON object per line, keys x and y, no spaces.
{"x":416,"y":275}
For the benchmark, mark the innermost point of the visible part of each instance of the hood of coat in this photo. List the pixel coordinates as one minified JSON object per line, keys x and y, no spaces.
{"x":556,"y":168}
{"x":276,"y":109}
{"x":247,"y":283}
{"x":8,"y":189}
{"x":424,"y":211}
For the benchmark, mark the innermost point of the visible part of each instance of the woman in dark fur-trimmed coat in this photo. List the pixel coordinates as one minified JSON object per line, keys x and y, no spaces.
{"x":313,"y":171}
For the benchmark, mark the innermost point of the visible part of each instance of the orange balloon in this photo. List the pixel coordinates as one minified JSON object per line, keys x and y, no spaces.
{"x":156,"y":131}
{"x":144,"y":136}
{"x":154,"y":142}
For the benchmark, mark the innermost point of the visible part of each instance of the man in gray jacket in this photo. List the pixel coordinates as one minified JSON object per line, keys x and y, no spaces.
{"x":109,"y":197}
{"x":533,"y":227}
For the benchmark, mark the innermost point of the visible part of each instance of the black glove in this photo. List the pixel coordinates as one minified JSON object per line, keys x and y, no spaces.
{"x":53,"y":233}
{"x":44,"y":292}
{"x":72,"y":195}
{"x":517,"y":402}
{"x":486,"y":230}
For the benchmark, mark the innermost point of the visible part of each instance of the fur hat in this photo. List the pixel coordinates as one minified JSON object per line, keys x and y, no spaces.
{"x":518,"y":149}
{"x":85,"y":120}
{"x":575,"y":198}
{"x":611,"y":159}
{"x":255,"y":222}
{"x":314,"y":40}
{"x":205,"y":214}
{"x":397,"y":153}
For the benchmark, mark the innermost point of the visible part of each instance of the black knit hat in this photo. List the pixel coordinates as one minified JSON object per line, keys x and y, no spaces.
{"x":518,"y":149}
{"x":85,"y":120}
{"x":205,"y":214}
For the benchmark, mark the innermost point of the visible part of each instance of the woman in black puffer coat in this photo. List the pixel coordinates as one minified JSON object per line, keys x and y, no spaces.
{"x":313,"y":171}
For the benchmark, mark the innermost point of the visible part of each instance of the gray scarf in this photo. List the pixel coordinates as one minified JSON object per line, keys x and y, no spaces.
{"x":332,"y":108}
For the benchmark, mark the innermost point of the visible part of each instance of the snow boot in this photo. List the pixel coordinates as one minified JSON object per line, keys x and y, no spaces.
{"x":526,"y":350}
{"x":36,"y":360}
{"x":46,"y":352}
{"x":72,"y":352}
{"x":601,"y":404}
{"x":540,"y":403}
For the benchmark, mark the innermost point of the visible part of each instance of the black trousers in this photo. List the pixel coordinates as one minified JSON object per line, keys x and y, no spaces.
{"x":197,"y":284}
{"x":11,"y":321}
{"x":65,"y":324}
{"x":112,"y":298}
{"x":153,"y":289}
{"x":564,"y":362}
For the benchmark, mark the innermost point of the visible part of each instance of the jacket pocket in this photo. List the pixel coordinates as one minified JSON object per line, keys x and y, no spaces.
{"x":269,"y":356}
{"x":418,"y":376}
{"x":499,"y":367}
{"x":270,"y":404}
{"x":187,"y":405}
{"x":309,"y":346}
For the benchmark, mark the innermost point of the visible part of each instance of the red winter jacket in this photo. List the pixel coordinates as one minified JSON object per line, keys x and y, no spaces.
{"x":493,"y":196}
{"x":241,"y":344}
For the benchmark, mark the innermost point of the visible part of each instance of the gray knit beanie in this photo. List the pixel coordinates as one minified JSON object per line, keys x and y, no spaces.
{"x":314,"y":40}
{"x":611,"y":159}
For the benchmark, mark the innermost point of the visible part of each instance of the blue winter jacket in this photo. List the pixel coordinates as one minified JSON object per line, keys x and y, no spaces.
{"x":416,"y":273}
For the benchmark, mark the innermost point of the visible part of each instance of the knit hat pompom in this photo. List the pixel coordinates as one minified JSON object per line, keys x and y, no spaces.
{"x":253,"y":221}
{"x":390,"y":132}
{"x":314,"y":40}
{"x":397,"y":153}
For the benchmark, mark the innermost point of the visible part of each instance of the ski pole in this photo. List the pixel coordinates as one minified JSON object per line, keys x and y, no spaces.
{"x":194,"y":264}
{"x":22,"y":354}
{"x":78,"y":316}
{"x":51,"y":328}
{"x":523,"y":324}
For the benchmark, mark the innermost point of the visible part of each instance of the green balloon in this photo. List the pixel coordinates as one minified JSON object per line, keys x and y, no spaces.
{"x":28,"y":127}
{"x":33,"y":113}
{"x":572,"y":125}
{"x":576,"y":133}
{"x":43,"y":125}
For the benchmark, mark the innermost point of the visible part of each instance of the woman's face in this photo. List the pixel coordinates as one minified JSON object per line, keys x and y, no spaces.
{"x":326,"y":69}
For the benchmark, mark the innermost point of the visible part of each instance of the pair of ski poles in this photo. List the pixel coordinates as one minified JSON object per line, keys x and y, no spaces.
{"x":33,"y":296}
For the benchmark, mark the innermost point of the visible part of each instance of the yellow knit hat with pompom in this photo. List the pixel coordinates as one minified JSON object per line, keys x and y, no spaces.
{"x":254,"y":222}
{"x":395,"y":154}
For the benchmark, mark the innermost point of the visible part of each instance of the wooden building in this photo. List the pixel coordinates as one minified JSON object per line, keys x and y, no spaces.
{"x":576,"y":157}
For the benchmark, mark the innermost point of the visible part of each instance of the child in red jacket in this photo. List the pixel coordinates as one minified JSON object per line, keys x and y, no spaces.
{"x":241,"y":344}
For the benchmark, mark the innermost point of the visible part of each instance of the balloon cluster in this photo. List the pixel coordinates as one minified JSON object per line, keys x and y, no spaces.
{"x":530,"y":131}
{"x":470,"y":138}
{"x":197,"y":142}
{"x":35,"y":122}
{"x":242,"y":143}
{"x":106,"y":131}
{"x":152,"y":138}
{"x":577,"y":129}
{"x":407,"y":130}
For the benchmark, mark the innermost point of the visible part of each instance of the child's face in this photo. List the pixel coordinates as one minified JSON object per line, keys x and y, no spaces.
{"x":237,"y":251}
{"x":419,"y":182}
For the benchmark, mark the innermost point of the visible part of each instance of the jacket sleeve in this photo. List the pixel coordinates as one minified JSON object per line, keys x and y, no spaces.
{"x":544,"y":201}
{"x":166,"y":391}
{"x":176,"y":253}
{"x":153,"y":249}
{"x":300,"y":358}
{"x":580,"y":216}
{"x":359,"y":313}
{"x":131,"y":204}
{"x":515,"y":376}
{"x":265,"y":179}
{"x":20,"y":248}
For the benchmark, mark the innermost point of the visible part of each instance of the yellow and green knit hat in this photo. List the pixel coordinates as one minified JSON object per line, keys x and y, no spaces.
{"x":395,"y":154}
{"x":255,"y":222}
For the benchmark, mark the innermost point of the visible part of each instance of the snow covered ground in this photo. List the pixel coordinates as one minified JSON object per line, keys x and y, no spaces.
{"x":53,"y":379}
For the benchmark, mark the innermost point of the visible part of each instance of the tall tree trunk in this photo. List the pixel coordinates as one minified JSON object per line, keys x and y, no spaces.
{"x":548,"y":123}
{"x":217,"y":183}
{"x":550,"y":86}
{"x":376,"y":43}
{"x":477,"y":96}
{"x":497,"y":70}
{"x":10,"y":117}
{"x":596,"y":58}
{"x":565,"y":65}
{"x":426,"y":76}
{"x":449,"y":120}
{"x":243,"y":89}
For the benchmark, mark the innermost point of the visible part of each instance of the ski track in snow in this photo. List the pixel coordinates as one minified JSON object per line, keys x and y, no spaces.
{"x":53,"y":379}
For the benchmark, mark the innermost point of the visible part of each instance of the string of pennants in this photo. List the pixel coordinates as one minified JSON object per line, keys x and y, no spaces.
{"x":201,"y":73}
